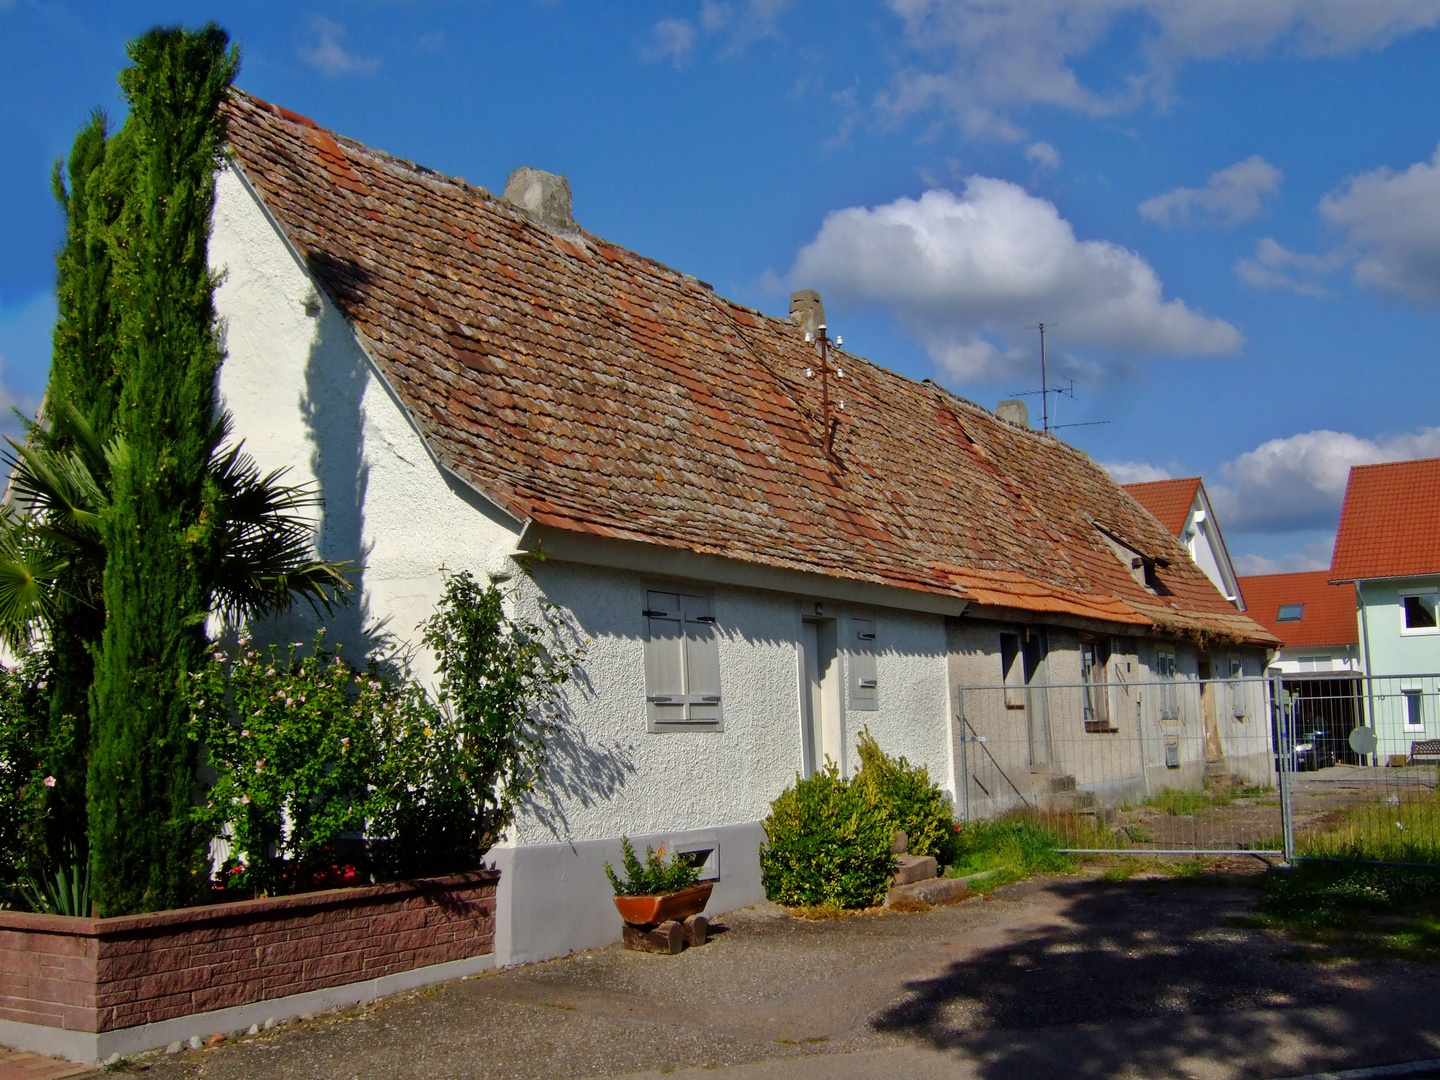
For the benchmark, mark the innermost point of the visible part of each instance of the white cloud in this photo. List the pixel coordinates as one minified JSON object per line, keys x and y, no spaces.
{"x":1134,"y":472}
{"x":1391,"y":223}
{"x":328,"y":55}
{"x":1232,"y":195}
{"x":1299,"y":482}
{"x":1313,"y":556}
{"x":1275,"y":266}
{"x":670,"y":39}
{"x":1043,"y":155}
{"x":964,"y":273}
{"x":977,"y":58}
{"x":741,"y":24}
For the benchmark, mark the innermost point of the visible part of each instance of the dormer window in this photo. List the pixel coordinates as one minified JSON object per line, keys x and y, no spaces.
{"x":1141,"y":567}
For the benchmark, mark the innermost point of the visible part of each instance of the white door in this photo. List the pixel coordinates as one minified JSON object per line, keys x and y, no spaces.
{"x":821,"y":736}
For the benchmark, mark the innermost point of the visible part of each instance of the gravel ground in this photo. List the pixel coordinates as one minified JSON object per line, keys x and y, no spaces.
{"x":1035,"y":980}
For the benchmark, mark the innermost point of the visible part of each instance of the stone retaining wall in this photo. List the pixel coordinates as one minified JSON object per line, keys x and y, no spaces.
{"x":102,"y":975}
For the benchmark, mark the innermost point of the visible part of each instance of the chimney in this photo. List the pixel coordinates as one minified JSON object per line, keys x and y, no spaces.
{"x":1014,"y":411}
{"x":806,"y":310}
{"x":543,"y":196}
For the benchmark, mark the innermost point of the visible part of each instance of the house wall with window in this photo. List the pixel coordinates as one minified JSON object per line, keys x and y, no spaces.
{"x":1108,"y":715}
{"x":1401,"y":640}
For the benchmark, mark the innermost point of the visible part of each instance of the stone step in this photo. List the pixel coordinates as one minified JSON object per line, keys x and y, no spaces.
{"x":910,"y":868}
{"x":933,"y":892}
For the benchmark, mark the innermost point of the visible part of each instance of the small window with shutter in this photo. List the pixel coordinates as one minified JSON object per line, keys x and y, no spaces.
{"x":864,"y":682}
{"x":682,"y":662}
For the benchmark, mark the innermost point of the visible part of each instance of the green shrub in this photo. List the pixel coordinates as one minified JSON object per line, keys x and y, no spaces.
{"x":24,"y":795}
{"x":826,"y":845}
{"x":653,"y":877}
{"x":904,"y":796}
{"x":296,"y":742}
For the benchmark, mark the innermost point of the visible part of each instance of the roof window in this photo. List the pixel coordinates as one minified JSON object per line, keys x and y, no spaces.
{"x":1290,"y":613}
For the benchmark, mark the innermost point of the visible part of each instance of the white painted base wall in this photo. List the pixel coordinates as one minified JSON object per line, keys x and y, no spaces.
{"x":555,"y":898}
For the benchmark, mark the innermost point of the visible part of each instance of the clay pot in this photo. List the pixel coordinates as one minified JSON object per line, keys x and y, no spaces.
{"x":652,"y":910}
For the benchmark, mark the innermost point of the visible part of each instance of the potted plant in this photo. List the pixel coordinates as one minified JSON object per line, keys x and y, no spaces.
{"x":657,"y":891}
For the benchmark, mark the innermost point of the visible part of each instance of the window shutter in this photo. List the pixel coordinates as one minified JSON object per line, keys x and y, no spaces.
{"x":864,"y":683}
{"x":702,"y":660}
{"x":664,"y":658}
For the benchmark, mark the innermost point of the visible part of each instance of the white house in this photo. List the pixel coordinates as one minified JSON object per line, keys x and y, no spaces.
{"x":1183,"y":507}
{"x":475,"y":381}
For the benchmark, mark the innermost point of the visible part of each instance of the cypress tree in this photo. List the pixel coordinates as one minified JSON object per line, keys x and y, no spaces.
{"x":82,"y":376}
{"x":158,"y":535}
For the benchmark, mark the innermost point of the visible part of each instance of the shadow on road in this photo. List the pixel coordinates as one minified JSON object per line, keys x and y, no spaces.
{"x":1160,"y":977}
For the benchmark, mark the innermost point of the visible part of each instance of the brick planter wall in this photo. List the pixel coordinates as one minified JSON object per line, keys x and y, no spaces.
{"x":89,"y":987}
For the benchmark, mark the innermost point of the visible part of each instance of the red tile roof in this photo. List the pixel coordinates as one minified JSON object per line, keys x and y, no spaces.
{"x":1328,"y":617}
{"x":1168,"y":500}
{"x":1390,"y":524}
{"x":588,"y":388}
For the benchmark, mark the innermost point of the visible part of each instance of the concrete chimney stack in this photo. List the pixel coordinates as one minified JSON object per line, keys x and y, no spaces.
{"x":543,"y":196}
{"x":806,"y":310}
{"x":1014,"y":411}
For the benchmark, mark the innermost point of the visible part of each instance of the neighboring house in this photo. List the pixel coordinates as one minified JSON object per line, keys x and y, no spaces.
{"x":477,"y":383}
{"x":1388,"y":545}
{"x":1183,"y":507}
{"x":1320,"y":660}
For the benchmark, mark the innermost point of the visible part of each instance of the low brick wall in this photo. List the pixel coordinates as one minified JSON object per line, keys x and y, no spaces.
{"x":103,"y":975}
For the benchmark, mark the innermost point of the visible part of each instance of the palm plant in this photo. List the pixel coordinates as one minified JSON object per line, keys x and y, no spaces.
{"x":52,"y":551}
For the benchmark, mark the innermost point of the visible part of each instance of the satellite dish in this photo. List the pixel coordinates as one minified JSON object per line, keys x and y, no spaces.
{"x":1362,"y":740}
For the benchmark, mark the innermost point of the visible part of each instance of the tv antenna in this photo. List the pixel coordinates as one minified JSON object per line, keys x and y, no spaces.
{"x":821,"y":339}
{"x":1046,"y":389}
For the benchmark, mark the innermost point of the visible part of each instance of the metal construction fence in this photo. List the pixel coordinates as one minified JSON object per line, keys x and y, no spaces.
{"x":1268,"y":766}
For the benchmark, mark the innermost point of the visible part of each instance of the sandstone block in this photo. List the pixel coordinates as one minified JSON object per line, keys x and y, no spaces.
{"x":910,"y":868}
{"x":668,"y":938}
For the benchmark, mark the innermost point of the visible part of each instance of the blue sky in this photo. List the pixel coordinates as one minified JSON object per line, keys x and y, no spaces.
{"x":1230,"y":210}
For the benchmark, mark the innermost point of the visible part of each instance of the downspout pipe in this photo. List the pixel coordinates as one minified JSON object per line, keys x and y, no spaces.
{"x":1369,"y":673}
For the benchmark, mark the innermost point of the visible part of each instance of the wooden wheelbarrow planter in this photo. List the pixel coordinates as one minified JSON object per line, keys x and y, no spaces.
{"x":665,"y":923}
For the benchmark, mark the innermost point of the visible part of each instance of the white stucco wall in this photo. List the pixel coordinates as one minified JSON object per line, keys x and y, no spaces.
{"x":305,"y":397}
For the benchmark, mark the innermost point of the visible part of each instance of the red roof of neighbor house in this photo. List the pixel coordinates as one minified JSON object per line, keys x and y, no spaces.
{"x":1390,"y":524}
{"x":587,"y":388}
{"x":1168,"y":500}
{"x":1328,"y":616}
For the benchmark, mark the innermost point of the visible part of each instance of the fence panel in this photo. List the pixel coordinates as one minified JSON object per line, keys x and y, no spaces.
{"x":1380,"y":805}
{"x":1258,"y":765}
{"x":1169,"y":765}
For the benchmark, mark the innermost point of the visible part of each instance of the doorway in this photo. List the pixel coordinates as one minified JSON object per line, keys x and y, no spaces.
{"x":1034,"y":651}
{"x":821,"y":735}
{"x":1209,"y":717}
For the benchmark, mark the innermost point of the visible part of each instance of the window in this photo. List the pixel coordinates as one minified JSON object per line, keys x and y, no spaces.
{"x":864,"y":685}
{"x":1414,"y":710}
{"x":1314,"y":663}
{"x":1419,"y":613}
{"x":1169,"y":695}
{"x":1094,"y":657}
{"x":1012,"y":671}
{"x":1290,"y":613}
{"x":682,"y":662}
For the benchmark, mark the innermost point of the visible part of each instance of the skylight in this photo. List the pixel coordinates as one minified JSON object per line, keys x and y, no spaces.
{"x":1290,"y":613}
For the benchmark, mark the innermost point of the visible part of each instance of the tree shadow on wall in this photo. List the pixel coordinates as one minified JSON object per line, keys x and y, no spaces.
{"x":579,"y":771}
{"x":332,"y":408}
{"x":1154,"y":978}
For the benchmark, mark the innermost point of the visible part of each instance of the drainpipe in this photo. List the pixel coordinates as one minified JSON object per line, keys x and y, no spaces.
{"x":1369,"y":673}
